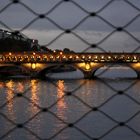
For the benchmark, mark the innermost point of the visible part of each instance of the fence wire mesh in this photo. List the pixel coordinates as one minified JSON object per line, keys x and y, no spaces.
{"x":128,"y":91}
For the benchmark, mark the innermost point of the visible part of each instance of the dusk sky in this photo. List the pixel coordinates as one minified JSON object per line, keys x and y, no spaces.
{"x":67,"y":15}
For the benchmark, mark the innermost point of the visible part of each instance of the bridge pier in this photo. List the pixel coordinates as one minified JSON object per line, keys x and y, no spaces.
{"x":136,"y":68}
{"x":89,"y":69}
{"x":138,"y":75}
{"x":88,"y":75}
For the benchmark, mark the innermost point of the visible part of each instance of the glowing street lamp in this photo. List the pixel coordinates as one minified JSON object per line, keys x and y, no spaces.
{"x":87,"y":66}
{"x":33,"y":65}
{"x":77,"y":57}
{"x":89,"y":57}
{"x":70,"y":57}
{"x":83,"y":57}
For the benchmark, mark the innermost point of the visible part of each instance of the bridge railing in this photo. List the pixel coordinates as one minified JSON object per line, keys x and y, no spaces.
{"x":41,"y":57}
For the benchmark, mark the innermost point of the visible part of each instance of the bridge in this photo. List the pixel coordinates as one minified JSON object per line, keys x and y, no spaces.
{"x":40,"y":63}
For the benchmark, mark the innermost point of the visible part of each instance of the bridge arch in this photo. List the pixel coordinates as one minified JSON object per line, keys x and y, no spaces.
{"x":56,"y":68}
{"x":130,"y":71}
{"x":46,"y":70}
{"x":136,"y":68}
{"x":89,"y":74}
{"x":13,"y":69}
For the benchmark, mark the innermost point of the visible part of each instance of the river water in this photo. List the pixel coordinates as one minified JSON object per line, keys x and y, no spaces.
{"x":29,"y":110}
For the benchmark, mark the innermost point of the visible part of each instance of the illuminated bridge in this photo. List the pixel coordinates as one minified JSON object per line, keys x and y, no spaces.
{"x":40,"y":63}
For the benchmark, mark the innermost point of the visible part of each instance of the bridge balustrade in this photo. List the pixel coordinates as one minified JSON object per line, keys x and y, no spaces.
{"x":73,"y":58}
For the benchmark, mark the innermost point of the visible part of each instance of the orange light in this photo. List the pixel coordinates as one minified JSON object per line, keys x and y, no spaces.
{"x":135,"y":57}
{"x":136,"y":65}
{"x":83,"y":57}
{"x":61,"y":53}
{"x":77,"y":57}
{"x":33,"y":65}
{"x":58,"y":57}
{"x":87,"y":66}
{"x":89,"y":57}
{"x":51,"y":57}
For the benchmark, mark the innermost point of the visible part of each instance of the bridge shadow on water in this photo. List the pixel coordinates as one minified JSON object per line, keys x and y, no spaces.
{"x":69,"y":72}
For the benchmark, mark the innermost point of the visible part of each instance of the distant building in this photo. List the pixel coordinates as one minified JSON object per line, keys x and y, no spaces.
{"x":35,"y":46}
{"x":16,"y":41}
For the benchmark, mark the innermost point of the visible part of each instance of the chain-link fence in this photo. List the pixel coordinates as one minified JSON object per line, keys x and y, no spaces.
{"x":70,"y":24}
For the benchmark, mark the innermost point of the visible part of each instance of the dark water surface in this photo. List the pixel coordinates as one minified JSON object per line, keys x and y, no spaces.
{"x":30,"y":109}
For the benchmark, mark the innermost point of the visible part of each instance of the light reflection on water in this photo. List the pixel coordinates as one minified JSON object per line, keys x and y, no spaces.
{"x":61,"y":104}
{"x":10,"y":95}
{"x":69,"y":109}
{"x":34,"y":89}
